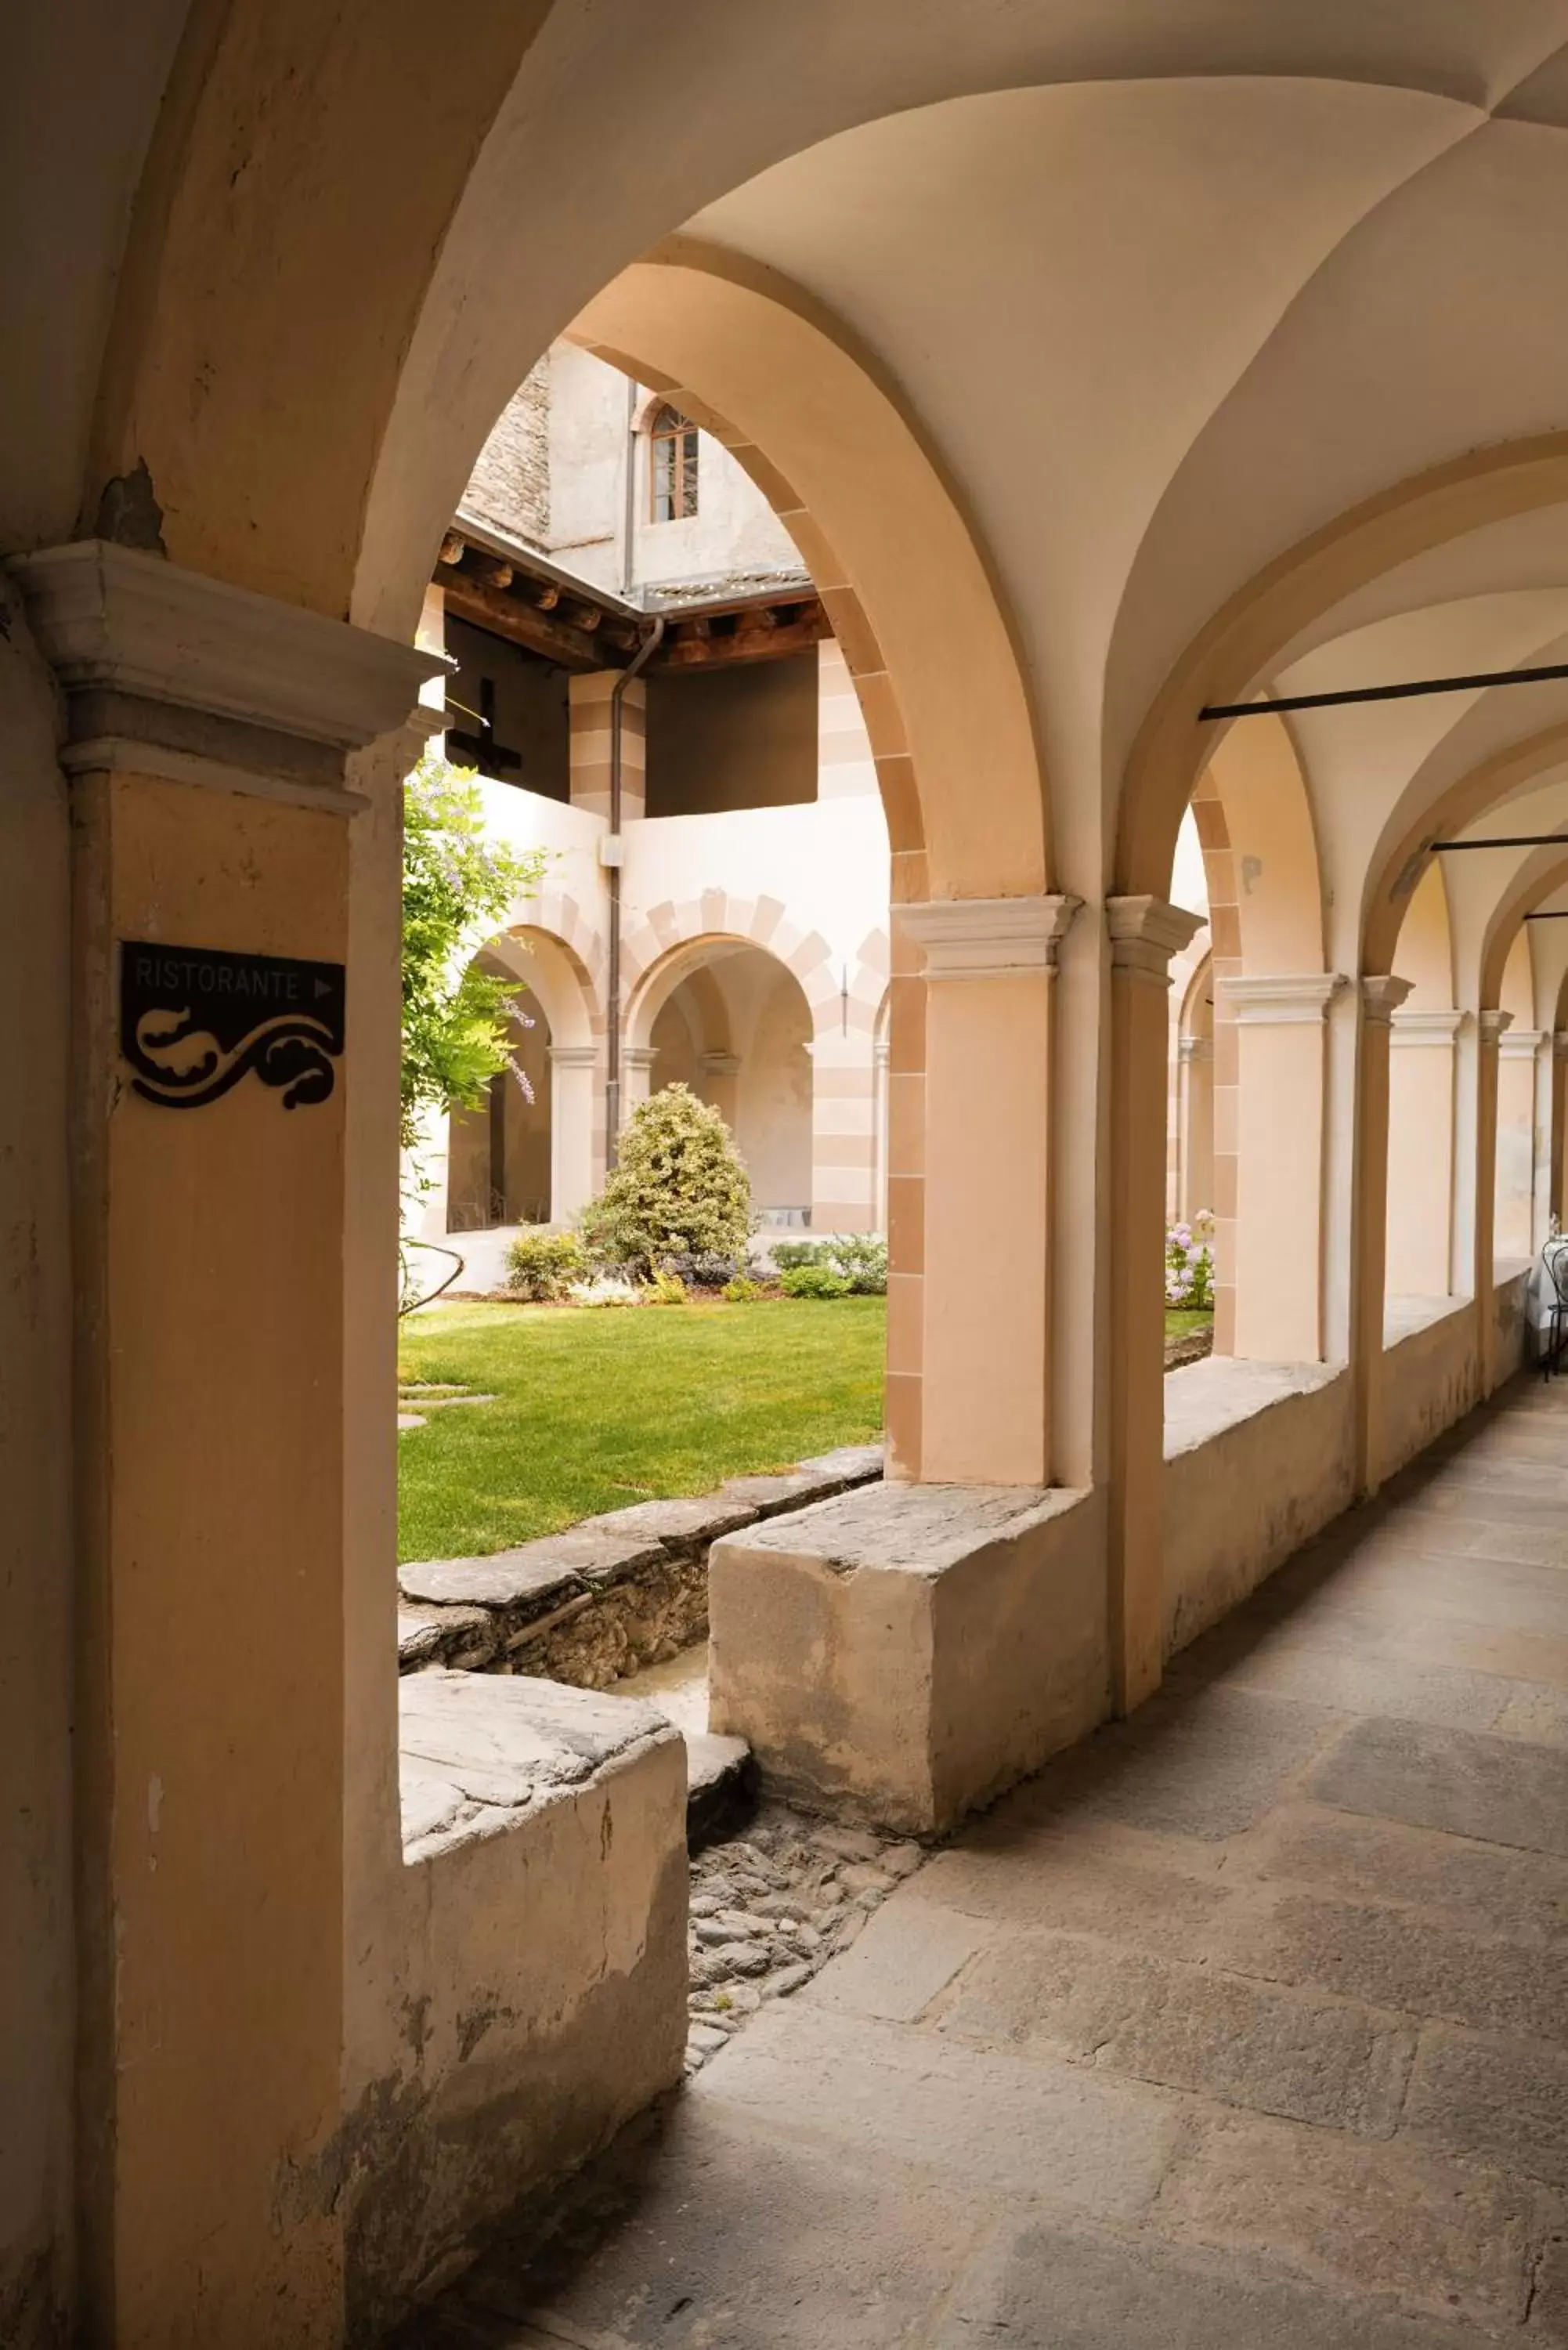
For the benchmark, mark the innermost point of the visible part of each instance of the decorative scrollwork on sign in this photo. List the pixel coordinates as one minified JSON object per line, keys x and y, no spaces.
{"x":194,"y":1019}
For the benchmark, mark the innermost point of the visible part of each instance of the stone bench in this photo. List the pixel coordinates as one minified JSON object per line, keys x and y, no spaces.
{"x":903,"y":1653}
{"x":542,"y":1964}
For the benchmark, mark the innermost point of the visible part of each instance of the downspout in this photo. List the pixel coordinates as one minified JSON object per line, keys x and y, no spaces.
{"x":612,"y":854}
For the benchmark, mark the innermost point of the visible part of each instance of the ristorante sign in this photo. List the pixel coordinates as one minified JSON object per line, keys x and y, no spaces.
{"x":193,"y":1021}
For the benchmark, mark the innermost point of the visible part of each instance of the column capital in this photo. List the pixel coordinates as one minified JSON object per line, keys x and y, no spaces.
{"x":1422,"y":1026}
{"x":1281,"y":999}
{"x":639,"y":1056}
{"x":1522,"y":1044}
{"x":1195,"y":1048}
{"x":168,"y":673}
{"x":1145,"y":933}
{"x":1382,"y":994}
{"x":1491,"y":1025}
{"x":988,"y":938}
{"x":720,"y":1065}
{"x":1560,"y":1045}
{"x":573,"y":1056}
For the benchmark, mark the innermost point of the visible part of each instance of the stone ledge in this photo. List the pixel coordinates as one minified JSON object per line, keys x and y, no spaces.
{"x":1202,"y":1400}
{"x":480,"y":1752}
{"x":904,"y":1653}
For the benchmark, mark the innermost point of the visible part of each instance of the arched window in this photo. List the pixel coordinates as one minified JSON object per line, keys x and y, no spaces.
{"x":672,"y":467}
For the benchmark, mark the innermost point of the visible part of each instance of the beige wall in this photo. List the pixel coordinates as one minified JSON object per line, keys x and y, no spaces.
{"x":36,"y":1705}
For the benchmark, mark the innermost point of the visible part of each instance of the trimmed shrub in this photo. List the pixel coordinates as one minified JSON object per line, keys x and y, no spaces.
{"x":860,"y":1261}
{"x":741,"y":1292}
{"x":666,"y":1288}
{"x":812,"y":1281}
{"x":680,"y":1190}
{"x":539,"y":1265}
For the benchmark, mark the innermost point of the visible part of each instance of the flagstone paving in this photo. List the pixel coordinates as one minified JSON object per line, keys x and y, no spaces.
{"x":1243,"y":2027}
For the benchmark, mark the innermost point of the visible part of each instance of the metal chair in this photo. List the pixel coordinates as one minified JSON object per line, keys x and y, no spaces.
{"x":1554,"y":1257}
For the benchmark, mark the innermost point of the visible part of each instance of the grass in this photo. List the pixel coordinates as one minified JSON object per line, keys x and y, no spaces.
{"x":595,"y":1410}
{"x":1181,"y":1324}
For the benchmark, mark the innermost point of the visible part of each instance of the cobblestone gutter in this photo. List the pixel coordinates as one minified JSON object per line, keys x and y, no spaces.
{"x":603,"y":1599}
{"x":770,"y":1908}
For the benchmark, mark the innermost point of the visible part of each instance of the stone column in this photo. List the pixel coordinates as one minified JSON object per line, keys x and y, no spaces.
{"x":1381,"y":996}
{"x":1145,"y":933}
{"x":1195,"y":1131}
{"x":577,"y":1109}
{"x":206,"y":731}
{"x":1422,"y":1079}
{"x":590,"y":743}
{"x":1278,"y":1257}
{"x":843,"y":1088}
{"x":880,"y":1053}
{"x":636,"y":1075}
{"x":985,"y":1326}
{"x":1490,"y":1028}
{"x":1518,"y":1053}
{"x":719,"y":1071}
{"x":1559,"y":1128}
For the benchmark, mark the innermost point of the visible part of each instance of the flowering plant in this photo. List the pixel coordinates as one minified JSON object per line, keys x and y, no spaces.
{"x":1189,"y":1264}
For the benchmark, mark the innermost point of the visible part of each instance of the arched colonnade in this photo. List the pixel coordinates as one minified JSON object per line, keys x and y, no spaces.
{"x":928,"y":301}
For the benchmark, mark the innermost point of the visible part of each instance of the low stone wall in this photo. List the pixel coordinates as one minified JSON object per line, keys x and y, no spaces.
{"x":1429,"y":1373}
{"x":1258,"y":1459}
{"x":603,"y":1599}
{"x":541,"y":1969}
{"x":903,"y":1655}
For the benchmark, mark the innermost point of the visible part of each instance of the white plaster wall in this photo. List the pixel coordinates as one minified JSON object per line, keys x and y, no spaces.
{"x":1258,"y":1457}
{"x":826,"y":863}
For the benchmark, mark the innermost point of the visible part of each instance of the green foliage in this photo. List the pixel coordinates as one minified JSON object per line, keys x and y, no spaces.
{"x":812,"y":1281}
{"x":680,"y":1189}
{"x":457,"y":887}
{"x":741,"y":1292}
{"x":666,"y":1288}
{"x":859,"y":1261}
{"x":539,"y":1265}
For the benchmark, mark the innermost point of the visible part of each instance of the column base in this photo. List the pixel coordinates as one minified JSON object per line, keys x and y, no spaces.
{"x":902,"y":1654}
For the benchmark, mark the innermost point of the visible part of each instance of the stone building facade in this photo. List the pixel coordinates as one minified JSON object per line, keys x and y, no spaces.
{"x":752,"y":845}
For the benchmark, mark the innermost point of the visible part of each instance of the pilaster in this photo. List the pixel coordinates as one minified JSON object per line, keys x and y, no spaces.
{"x":206,"y":731}
{"x":987,"y":964}
{"x":575,"y":1098}
{"x":1278,"y":1252}
{"x":1382,"y":994}
{"x":1422,"y":1080}
{"x":1491,"y":1026}
{"x":1145,"y":933}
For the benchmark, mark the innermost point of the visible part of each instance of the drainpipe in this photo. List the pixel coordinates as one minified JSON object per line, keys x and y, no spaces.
{"x":612,"y":856}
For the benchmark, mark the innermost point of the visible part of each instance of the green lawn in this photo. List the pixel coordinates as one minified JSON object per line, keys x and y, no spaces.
{"x":595,"y":1410}
{"x":1183,"y":1324}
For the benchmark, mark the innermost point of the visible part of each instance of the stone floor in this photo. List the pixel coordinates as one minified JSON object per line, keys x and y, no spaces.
{"x":1244,"y":2024}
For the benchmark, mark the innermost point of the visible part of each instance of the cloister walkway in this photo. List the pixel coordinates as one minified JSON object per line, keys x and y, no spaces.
{"x":1245,"y":2024}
